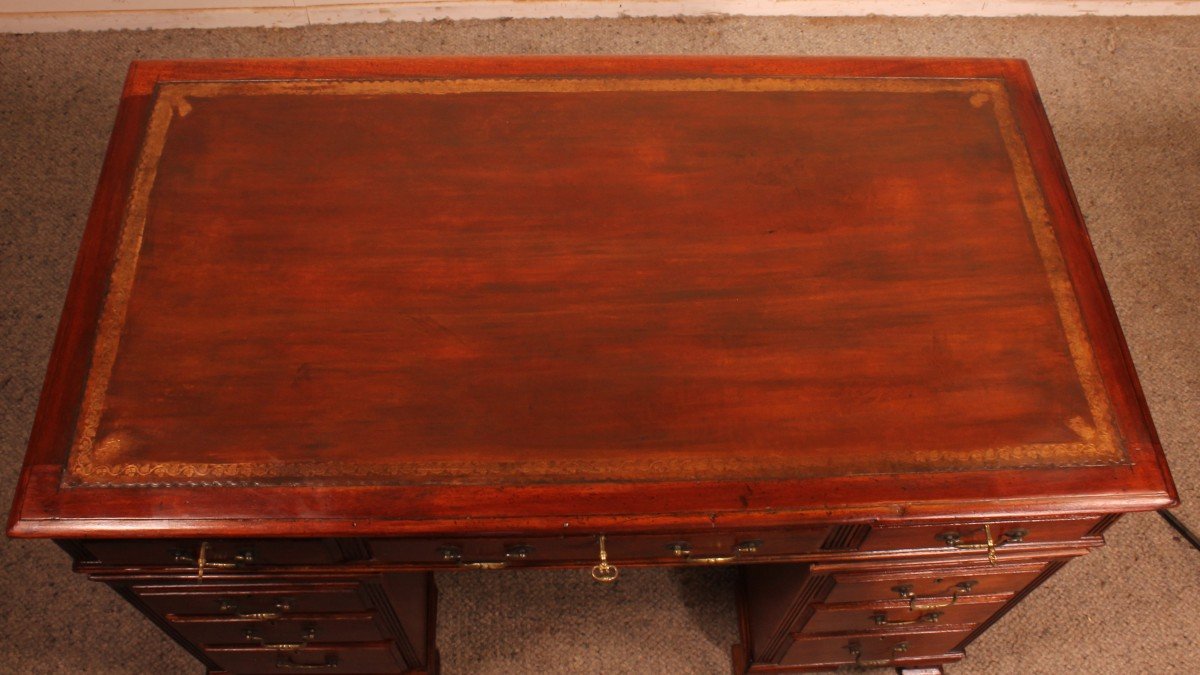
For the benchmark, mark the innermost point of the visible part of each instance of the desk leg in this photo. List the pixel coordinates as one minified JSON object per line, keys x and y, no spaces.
{"x":433,"y":664}
{"x":413,"y":600}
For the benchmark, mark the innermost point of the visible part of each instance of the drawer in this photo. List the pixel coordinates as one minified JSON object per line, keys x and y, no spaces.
{"x":695,"y":547}
{"x":261,"y":601}
{"x":717,"y":547}
{"x":879,"y":649}
{"x":972,"y":535}
{"x":484,"y":552}
{"x":369,"y":657}
{"x":927,"y":586}
{"x":289,"y":629}
{"x":219,"y":553}
{"x":858,"y":617}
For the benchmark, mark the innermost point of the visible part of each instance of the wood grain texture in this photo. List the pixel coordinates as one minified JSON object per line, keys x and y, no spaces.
{"x":620,"y":298}
{"x":600,"y":292}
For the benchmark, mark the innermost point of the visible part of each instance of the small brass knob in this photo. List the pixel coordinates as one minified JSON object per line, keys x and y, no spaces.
{"x":1016,"y":536}
{"x":519,"y":552}
{"x":680,"y":549}
{"x":450,"y":553}
{"x":745,"y":547}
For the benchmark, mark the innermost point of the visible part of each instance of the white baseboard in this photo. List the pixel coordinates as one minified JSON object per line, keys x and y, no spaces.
{"x":29,"y":16}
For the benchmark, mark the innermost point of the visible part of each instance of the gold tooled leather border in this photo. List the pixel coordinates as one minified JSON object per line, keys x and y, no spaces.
{"x":1099,"y":442}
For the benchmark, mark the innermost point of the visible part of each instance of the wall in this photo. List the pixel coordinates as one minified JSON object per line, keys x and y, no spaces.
{"x":58,"y":15}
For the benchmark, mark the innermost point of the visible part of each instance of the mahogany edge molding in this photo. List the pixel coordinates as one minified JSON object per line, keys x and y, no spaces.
{"x":43,"y":508}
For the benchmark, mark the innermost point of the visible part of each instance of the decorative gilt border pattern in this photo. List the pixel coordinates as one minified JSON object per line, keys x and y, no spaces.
{"x":1098,"y":445}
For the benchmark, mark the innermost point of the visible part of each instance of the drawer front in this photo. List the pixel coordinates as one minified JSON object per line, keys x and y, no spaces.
{"x":969,"y":611}
{"x":717,"y":547}
{"x":492,"y":551}
{"x":265,"y":601}
{"x":973,"y":536}
{"x":371,"y":657}
{"x":218,"y":553}
{"x":693,"y":548}
{"x":289,"y":629}
{"x":870,"y":649}
{"x":933,"y":585}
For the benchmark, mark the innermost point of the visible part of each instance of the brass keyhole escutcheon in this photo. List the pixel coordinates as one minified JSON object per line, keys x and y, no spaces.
{"x":603,"y":572}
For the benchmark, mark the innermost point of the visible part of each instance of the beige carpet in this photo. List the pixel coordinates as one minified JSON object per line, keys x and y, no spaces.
{"x":1122,"y":95}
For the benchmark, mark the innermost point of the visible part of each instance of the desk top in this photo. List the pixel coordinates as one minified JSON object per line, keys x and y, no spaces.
{"x":441,"y":295}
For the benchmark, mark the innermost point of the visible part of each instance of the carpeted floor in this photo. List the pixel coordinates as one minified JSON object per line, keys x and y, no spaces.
{"x":1122,"y":94}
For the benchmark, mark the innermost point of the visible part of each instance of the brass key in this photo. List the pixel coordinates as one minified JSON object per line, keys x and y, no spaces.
{"x":603,"y":572}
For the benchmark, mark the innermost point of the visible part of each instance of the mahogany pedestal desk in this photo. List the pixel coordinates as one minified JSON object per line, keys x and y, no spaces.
{"x":336,"y":324}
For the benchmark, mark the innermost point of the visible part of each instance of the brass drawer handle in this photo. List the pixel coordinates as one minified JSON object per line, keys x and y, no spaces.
{"x":711,"y":559}
{"x":287,"y":661}
{"x":682,"y":549}
{"x":201,"y":561}
{"x":880,"y":619}
{"x":281,"y":645}
{"x":281,"y":606}
{"x":309,"y":634}
{"x":261,"y":616}
{"x":915,"y":604}
{"x":483,"y":565}
{"x":954,"y":540}
{"x":855,"y":648}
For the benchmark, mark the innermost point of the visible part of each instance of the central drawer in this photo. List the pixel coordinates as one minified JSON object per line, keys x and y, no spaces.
{"x":685,"y":548}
